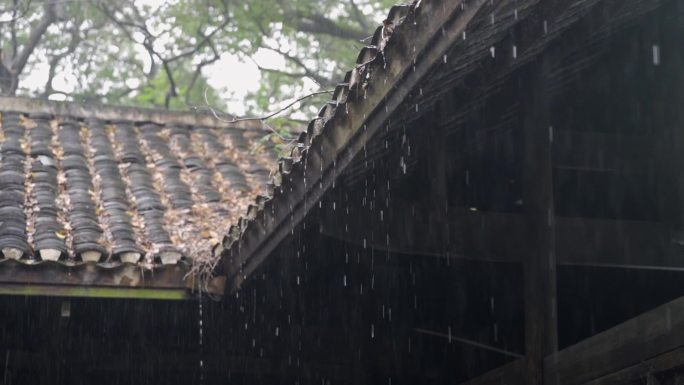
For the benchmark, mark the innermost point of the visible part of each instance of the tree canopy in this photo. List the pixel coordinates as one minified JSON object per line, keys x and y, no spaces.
{"x":155,"y":53}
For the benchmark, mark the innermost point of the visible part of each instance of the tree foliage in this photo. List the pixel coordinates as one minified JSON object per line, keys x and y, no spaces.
{"x":155,"y":53}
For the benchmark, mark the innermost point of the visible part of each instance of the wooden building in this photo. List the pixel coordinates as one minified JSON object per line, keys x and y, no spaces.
{"x":493,"y":196}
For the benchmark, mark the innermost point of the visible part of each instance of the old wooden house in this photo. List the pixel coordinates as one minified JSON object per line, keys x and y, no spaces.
{"x":492,"y":196}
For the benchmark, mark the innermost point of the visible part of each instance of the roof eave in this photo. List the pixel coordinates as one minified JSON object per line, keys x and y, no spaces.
{"x":86,"y":111}
{"x":422,"y":35}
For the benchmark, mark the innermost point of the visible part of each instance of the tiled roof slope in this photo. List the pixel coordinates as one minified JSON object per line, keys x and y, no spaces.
{"x":83,"y":189}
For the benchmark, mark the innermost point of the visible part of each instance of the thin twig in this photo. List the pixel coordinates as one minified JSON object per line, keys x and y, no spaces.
{"x":268,"y":116}
{"x":213,"y":112}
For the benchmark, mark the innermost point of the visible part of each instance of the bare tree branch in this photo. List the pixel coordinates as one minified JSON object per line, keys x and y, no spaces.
{"x":198,"y":71}
{"x":148,"y":44}
{"x":359,"y":17}
{"x":56,"y":58}
{"x":321,"y":80}
{"x":19,"y":62}
{"x":205,"y":40}
{"x":315,"y":23}
{"x":13,"y":30}
{"x":10,"y":71}
{"x":264,"y":117}
{"x":17,"y":12}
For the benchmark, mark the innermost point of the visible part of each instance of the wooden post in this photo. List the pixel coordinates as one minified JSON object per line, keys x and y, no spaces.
{"x":540,"y":261}
{"x":668,"y":118}
{"x":432,"y":144}
{"x":437,"y":172}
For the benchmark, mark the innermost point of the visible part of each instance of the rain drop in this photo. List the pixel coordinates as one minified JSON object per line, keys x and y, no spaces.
{"x":492,"y":52}
{"x":515,"y":52}
{"x":656,"y":54}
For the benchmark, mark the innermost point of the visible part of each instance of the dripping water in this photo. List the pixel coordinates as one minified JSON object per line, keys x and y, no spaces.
{"x":201,"y":339}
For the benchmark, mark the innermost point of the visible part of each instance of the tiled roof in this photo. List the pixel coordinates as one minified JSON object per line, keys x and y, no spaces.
{"x":89,"y":190}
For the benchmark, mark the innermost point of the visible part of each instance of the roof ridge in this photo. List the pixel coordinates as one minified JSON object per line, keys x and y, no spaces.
{"x":109,"y":112}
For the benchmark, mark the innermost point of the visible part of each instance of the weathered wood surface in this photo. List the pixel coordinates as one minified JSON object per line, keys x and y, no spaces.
{"x":651,"y":334}
{"x":643,"y":370}
{"x":541,"y":334}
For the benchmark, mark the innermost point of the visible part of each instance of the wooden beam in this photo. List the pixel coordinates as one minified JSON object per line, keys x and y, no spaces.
{"x":642,"y":338}
{"x":94,"y":280}
{"x":602,"y":151}
{"x":643,"y":370}
{"x":94,"y":292}
{"x":606,"y":242}
{"x":499,"y":237}
{"x":541,"y":337}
